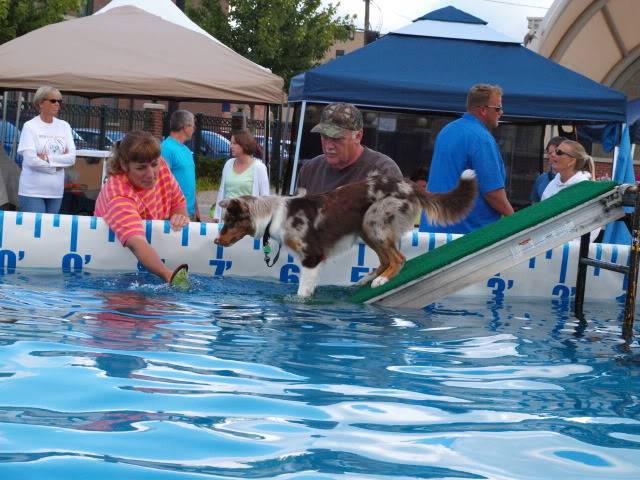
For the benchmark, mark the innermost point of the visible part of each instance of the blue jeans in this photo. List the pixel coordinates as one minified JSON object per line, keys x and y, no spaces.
{"x":39,"y":205}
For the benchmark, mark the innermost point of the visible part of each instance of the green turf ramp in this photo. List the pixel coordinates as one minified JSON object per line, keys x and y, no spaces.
{"x":426,"y":263}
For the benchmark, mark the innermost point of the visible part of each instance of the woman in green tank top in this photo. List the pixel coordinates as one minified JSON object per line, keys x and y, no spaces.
{"x":244,"y":174}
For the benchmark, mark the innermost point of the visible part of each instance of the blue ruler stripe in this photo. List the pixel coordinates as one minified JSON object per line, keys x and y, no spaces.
{"x":19,"y":218}
{"x":414,"y":238}
{"x":432,"y":241}
{"x":56,"y":220}
{"x":1,"y":226}
{"x":166,"y":227}
{"x":361,"y":251}
{"x":93,"y":223}
{"x":203,"y":229}
{"x":565,"y":261}
{"x":185,"y":235}
{"x":38,"y":226}
{"x":148,"y":230}
{"x":74,"y":234}
{"x":596,"y":270}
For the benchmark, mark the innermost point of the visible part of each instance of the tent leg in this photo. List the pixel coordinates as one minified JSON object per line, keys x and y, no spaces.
{"x":283,"y":141}
{"x":296,"y":158}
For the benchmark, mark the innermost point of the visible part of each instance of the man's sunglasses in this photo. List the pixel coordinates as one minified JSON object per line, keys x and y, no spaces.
{"x":497,"y":108}
{"x":55,"y":100}
{"x":560,"y":152}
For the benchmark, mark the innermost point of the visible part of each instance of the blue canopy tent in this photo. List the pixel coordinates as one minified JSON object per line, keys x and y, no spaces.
{"x":430,"y":64}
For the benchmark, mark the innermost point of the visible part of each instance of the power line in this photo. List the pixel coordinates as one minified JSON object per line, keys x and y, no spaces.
{"x":516,"y":4}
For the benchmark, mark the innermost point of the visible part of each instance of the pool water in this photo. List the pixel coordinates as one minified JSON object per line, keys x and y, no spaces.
{"x":105,"y":376}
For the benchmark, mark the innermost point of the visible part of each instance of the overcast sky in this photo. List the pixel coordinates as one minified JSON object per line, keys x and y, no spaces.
{"x":505,"y":16}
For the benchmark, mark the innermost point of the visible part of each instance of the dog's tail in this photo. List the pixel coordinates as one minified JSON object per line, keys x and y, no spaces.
{"x":452,"y":206}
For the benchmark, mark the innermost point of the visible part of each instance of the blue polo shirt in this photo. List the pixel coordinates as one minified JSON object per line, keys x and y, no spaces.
{"x":466,"y":143}
{"x":180,"y":161}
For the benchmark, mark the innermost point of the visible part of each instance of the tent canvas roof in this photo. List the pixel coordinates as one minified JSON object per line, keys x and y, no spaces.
{"x":127,"y":51}
{"x":421,"y":72}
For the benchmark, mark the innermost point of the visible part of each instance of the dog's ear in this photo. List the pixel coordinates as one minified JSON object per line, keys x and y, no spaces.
{"x":224,"y":203}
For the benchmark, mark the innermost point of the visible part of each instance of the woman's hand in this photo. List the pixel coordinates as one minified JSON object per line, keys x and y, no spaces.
{"x":178,"y":220}
{"x":44,"y":157}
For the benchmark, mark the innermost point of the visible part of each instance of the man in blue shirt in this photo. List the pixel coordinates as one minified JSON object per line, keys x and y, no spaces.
{"x":180,"y":159}
{"x":468,"y":143}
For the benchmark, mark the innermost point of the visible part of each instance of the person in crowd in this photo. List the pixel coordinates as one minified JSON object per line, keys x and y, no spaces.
{"x":344,"y":159}
{"x":571,"y":164}
{"x":47,"y":148}
{"x":243,"y":174}
{"x":468,"y":143}
{"x":543,"y":180}
{"x":180,"y":159}
{"x":141,"y":186}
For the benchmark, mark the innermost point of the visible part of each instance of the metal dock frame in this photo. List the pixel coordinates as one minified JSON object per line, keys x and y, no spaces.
{"x":506,"y":253}
{"x":630,"y":198}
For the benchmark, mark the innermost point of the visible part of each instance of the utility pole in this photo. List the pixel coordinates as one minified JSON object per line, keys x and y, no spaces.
{"x":173,"y":105}
{"x":366,"y":22}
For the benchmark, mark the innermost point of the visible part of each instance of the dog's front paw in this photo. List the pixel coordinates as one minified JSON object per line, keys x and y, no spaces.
{"x":305,"y":292}
{"x":379,"y":281}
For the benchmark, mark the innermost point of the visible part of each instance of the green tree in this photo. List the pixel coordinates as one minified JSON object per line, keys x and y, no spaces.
{"x":286,"y":36}
{"x":18,"y":17}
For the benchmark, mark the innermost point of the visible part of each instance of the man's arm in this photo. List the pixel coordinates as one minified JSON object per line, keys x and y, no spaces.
{"x":497,"y":199}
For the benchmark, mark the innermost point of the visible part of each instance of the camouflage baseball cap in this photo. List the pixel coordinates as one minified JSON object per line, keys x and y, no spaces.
{"x":338,"y":117}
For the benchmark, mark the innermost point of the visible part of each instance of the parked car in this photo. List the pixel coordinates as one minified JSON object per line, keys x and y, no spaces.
{"x":92,"y":137}
{"x":10,"y":130}
{"x":212,"y":144}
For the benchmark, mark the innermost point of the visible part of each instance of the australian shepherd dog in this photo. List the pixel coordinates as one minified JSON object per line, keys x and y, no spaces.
{"x":379,"y":210}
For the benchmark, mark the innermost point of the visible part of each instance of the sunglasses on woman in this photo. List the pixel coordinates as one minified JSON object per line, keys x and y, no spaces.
{"x":55,"y":100}
{"x":562,"y":152}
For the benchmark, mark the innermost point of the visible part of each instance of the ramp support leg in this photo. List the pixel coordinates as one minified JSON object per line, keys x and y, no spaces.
{"x":632,"y":278}
{"x":581,"y":279}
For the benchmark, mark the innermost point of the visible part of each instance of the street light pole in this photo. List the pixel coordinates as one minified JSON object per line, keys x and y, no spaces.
{"x":366,"y":22}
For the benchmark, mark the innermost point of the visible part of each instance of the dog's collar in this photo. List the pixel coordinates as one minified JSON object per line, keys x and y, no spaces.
{"x":266,"y":248}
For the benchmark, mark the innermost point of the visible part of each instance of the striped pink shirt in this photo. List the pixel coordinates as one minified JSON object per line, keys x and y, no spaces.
{"x":124,"y":206}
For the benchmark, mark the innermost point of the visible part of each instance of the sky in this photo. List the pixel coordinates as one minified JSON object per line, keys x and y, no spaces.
{"x":505,"y":16}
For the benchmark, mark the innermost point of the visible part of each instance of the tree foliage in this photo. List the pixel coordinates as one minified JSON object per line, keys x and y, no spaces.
{"x":286,"y":36}
{"x":18,"y":17}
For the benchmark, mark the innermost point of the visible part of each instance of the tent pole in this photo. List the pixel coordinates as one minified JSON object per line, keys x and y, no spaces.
{"x":296,"y":157}
{"x":266,"y":157}
{"x":283,"y":139}
{"x":3,"y":127}
{"x":616,"y":152}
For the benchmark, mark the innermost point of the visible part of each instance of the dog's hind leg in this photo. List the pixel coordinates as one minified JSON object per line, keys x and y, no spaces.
{"x":396,"y":263}
{"x":383,"y":258}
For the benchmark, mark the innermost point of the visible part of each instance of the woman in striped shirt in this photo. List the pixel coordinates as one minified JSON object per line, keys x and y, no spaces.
{"x":141,"y":187}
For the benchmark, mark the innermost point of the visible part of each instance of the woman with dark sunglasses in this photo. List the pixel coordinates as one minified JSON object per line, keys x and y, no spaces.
{"x":545,"y":178}
{"x":571,"y":164}
{"x":47,"y":148}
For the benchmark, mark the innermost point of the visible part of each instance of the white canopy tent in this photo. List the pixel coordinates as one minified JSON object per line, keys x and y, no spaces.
{"x":135,"y":48}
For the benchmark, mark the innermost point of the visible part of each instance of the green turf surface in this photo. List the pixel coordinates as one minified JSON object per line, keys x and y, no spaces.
{"x":475,"y":241}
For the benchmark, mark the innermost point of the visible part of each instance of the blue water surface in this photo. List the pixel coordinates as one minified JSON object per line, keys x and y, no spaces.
{"x":105,"y":376}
